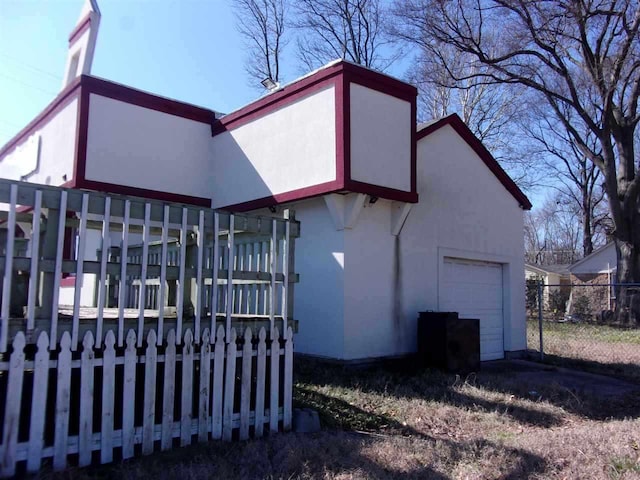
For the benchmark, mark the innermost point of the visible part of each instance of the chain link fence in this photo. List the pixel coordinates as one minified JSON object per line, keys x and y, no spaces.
{"x":586,"y":326}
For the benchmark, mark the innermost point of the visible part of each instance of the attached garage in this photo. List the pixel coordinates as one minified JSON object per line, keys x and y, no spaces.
{"x":474,"y":289}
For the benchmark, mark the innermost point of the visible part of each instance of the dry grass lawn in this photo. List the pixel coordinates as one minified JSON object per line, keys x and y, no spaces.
{"x":390,"y":423}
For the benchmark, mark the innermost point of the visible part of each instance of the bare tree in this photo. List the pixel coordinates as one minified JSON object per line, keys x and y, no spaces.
{"x":262,"y":23}
{"x":349,"y":29}
{"x":580,"y":56}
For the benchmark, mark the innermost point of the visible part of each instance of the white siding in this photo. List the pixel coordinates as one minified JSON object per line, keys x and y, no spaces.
{"x":139,"y":147}
{"x":291,"y":148}
{"x":380,"y":138}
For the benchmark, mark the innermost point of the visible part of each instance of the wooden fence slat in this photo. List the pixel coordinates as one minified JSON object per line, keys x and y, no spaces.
{"x":199,"y":296}
{"x":230,"y":248}
{"x":182,"y":266}
{"x":288,"y":381}
{"x":35,"y":257}
{"x":143,"y":273}
{"x":245,"y":390}
{"x":205,"y":387}
{"x":229,"y":387}
{"x":218,"y":385}
{"x":129,"y":396}
{"x":11,"y":422}
{"x":260,"y":382}
{"x":5,"y":307}
{"x":57,"y":274}
{"x":149,"y":406}
{"x":102,"y":282}
{"x":122,"y":288}
{"x":86,"y":400}
{"x":285,"y":272}
{"x":63,"y":395}
{"x":38,"y":404}
{"x":187,"y":392}
{"x":272,"y":269}
{"x":215,"y":267}
{"x":108,"y":394}
{"x":169,"y":391}
{"x":275,"y":374}
{"x":77,"y":293}
{"x":162,"y":294}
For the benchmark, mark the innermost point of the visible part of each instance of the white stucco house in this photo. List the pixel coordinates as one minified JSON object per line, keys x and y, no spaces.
{"x":395,"y":218}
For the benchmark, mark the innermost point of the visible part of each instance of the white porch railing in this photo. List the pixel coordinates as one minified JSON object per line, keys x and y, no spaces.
{"x":152,"y":375}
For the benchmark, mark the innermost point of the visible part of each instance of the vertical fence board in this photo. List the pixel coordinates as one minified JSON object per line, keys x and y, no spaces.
{"x":166,"y":441}
{"x":11,"y":422}
{"x":245,"y":390}
{"x":205,"y":390}
{"x":183,"y":262}
{"x":63,"y":395}
{"x":199,"y":296}
{"x":38,"y":404}
{"x":288,"y":381}
{"x":86,"y":401}
{"x":149,"y":406}
{"x":57,"y":274}
{"x":102,"y":283}
{"x":260,"y":382}
{"x":108,"y":394}
{"x":143,"y":272}
{"x":162,"y":294}
{"x":129,"y":396}
{"x":229,"y":387}
{"x":230,"y":248}
{"x":275,"y":374}
{"x":5,"y":307}
{"x":77,"y":292}
{"x":272,"y":269}
{"x":215,"y":266}
{"x":35,"y":257}
{"x":218,"y":370}
{"x":122,"y":286}
{"x":187,"y":392}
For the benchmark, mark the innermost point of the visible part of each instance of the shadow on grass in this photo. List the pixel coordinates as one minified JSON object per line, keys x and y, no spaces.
{"x":511,"y":463}
{"x":629,"y":372}
{"x":404,"y":379}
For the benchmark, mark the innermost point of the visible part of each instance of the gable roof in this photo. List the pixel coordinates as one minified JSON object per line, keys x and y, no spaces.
{"x":467,"y":135}
{"x":562,"y":269}
{"x":596,"y":252}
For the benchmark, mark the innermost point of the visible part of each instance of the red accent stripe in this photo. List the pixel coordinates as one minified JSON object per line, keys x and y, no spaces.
{"x":140,"y":192}
{"x":467,"y":135}
{"x":62,"y":100}
{"x":82,"y":27}
{"x":381,"y":192}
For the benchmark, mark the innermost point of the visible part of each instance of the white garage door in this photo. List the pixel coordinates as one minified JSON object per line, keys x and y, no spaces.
{"x":474,"y":289}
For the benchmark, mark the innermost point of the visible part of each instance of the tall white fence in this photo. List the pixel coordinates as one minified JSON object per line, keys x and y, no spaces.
{"x":97,"y":380}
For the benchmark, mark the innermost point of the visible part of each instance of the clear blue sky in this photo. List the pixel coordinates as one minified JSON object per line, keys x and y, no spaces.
{"x":188,"y":50}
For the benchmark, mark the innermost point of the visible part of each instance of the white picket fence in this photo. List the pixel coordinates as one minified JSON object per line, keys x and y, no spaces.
{"x":106,"y":401}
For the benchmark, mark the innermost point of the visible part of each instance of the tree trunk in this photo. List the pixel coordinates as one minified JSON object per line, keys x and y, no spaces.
{"x":628,"y":253}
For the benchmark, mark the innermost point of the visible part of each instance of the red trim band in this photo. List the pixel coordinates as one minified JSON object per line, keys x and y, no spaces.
{"x":467,"y":135}
{"x":82,"y":27}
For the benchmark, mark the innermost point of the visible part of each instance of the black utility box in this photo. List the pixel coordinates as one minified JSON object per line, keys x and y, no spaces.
{"x":448,"y":342}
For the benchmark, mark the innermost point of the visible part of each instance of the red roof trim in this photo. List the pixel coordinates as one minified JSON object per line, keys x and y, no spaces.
{"x":62,"y":100}
{"x":82,"y":27}
{"x":130,"y":95}
{"x":467,"y":135}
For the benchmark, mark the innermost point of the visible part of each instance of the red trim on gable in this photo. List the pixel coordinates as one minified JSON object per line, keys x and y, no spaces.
{"x":139,"y":192}
{"x":62,"y":100}
{"x":130,"y":95}
{"x":382,"y":192}
{"x":467,"y":135}
{"x":82,"y":27}
{"x":69,"y":281}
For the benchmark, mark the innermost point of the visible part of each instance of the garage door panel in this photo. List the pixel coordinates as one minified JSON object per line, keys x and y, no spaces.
{"x":475,"y":290}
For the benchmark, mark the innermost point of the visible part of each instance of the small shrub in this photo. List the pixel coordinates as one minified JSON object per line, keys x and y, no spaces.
{"x":581,"y":308}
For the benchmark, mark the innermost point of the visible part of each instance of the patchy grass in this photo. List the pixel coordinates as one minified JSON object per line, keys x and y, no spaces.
{"x":603,"y":349}
{"x":393,"y":422}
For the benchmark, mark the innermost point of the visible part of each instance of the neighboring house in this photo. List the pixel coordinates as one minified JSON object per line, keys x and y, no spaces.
{"x":598,"y":268}
{"x":395,"y":219}
{"x":555,"y":279}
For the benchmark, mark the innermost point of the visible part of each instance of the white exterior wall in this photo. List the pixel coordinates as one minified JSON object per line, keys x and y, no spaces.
{"x":598,"y":262}
{"x":139,"y":147}
{"x":380,"y":138}
{"x":319,"y":296}
{"x":288,"y":149}
{"x":370,"y":308}
{"x":464,"y":212}
{"x":47,"y":155}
